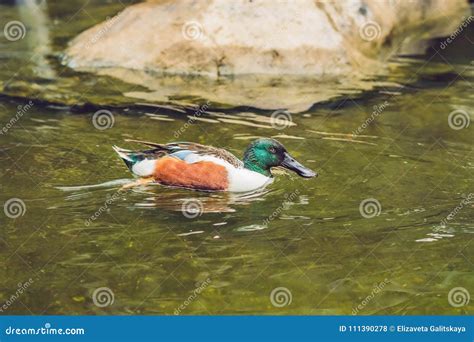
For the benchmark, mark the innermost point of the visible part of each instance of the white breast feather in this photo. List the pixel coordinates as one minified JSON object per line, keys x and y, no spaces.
{"x":240,"y":179}
{"x":144,"y":168}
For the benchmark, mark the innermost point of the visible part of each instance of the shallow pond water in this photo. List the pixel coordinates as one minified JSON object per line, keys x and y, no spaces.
{"x":298,"y":247}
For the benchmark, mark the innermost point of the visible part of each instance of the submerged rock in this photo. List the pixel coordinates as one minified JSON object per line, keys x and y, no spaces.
{"x":323,"y":39}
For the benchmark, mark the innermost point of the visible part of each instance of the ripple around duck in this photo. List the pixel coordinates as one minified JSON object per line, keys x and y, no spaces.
{"x":156,"y":196}
{"x":316,"y":243}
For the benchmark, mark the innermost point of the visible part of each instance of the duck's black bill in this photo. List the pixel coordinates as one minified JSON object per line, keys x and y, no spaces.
{"x":291,"y":164}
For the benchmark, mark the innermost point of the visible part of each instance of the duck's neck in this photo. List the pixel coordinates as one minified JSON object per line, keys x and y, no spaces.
{"x":253,"y":165}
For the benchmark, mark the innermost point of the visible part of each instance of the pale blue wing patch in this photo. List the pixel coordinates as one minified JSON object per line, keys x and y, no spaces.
{"x":183,"y":154}
{"x":188,"y":156}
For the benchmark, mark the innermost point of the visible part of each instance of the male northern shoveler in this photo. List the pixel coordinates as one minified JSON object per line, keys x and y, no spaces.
{"x":201,"y":167}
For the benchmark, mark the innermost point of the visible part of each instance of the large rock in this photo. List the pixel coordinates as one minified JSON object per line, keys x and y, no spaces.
{"x":270,"y":37}
{"x":221,"y":37}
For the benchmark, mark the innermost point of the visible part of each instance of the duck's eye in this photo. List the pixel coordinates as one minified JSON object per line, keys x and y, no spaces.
{"x":272,"y":149}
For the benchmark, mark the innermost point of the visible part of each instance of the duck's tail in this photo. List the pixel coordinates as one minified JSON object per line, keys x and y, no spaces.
{"x":140,"y":163}
{"x":129,"y":157}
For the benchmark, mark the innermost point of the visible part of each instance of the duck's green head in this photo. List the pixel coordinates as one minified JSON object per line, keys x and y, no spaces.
{"x":264,"y":153}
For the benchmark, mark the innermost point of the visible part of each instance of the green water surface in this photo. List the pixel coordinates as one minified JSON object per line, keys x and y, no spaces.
{"x":306,"y":236}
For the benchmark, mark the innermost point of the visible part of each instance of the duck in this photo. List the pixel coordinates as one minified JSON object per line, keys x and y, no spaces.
{"x":207,"y":168}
